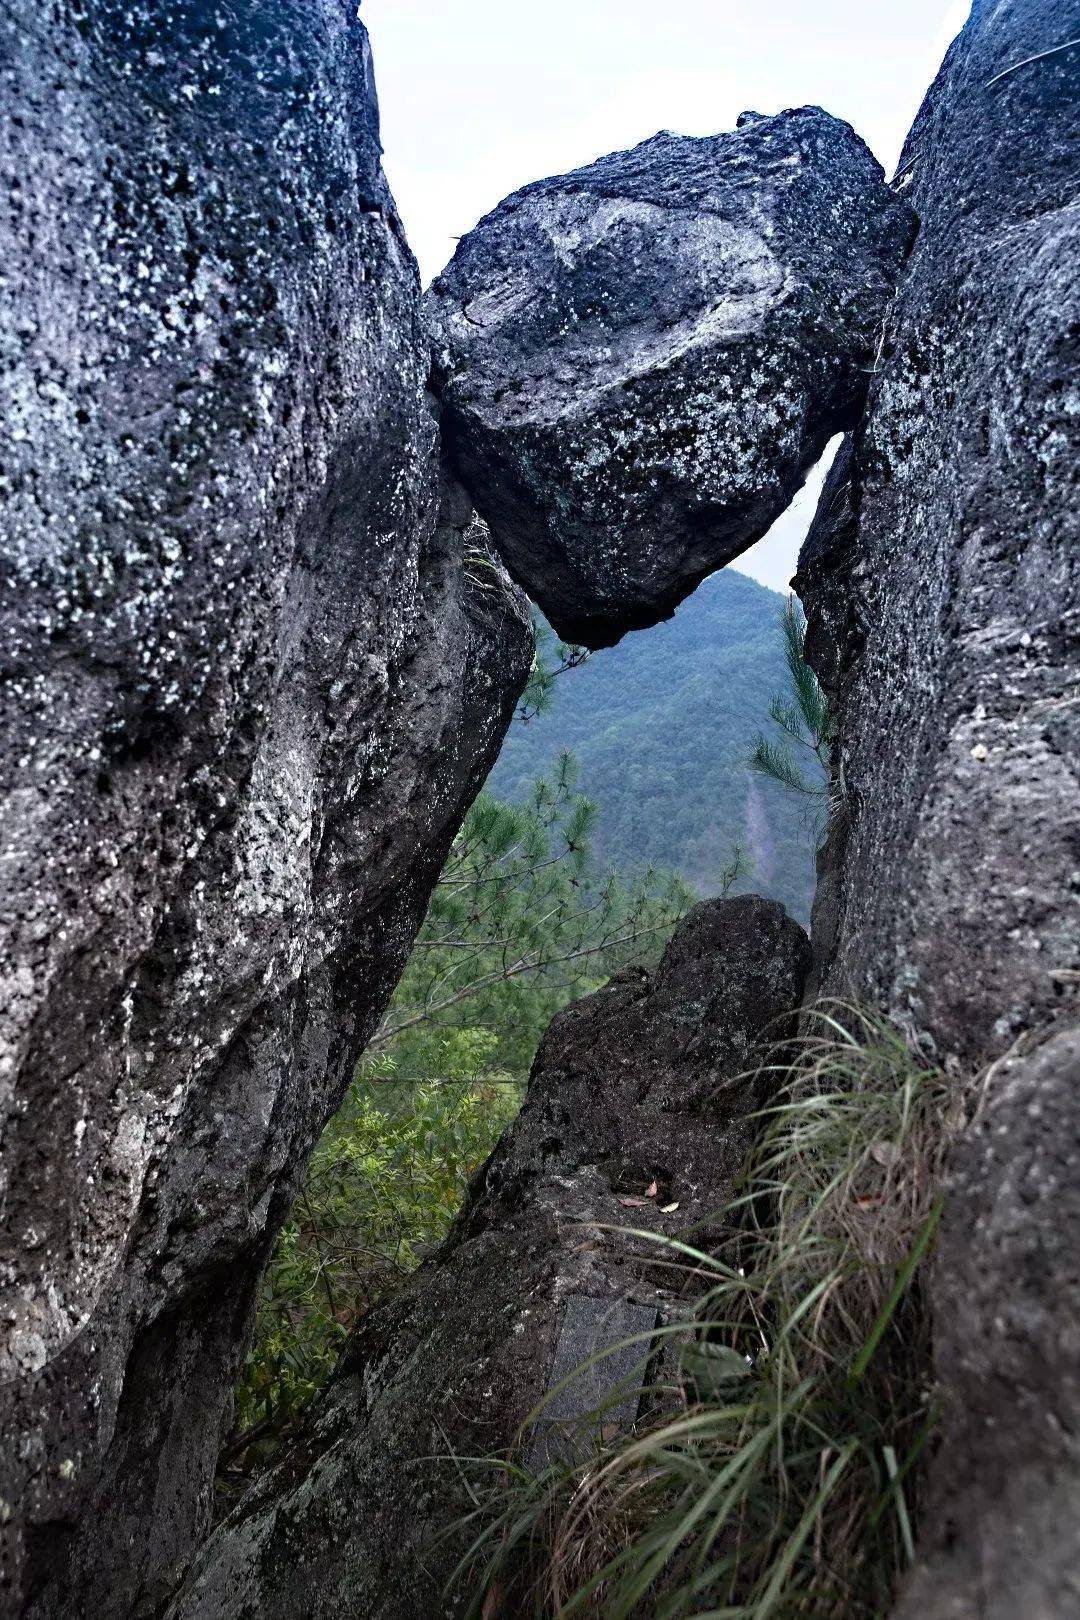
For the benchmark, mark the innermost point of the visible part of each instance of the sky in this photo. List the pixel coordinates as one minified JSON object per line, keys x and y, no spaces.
{"x":480,"y":96}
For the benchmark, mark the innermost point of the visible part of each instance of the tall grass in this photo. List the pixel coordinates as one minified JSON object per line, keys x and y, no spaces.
{"x":778,"y":1475}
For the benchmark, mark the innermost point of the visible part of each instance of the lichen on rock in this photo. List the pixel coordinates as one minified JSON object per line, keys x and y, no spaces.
{"x":942,"y":581}
{"x":249,"y":688}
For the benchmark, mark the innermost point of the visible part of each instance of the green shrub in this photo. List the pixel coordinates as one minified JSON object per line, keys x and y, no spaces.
{"x":382,"y":1189}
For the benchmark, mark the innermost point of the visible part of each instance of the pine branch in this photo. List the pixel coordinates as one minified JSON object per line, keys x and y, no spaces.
{"x":383,"y":1037}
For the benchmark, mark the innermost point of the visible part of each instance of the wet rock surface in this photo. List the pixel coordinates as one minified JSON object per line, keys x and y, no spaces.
{"x":640,"y":360}
{"x":250,"y":685}
{"x":645,"y":1082}
{"x":942,"y":578}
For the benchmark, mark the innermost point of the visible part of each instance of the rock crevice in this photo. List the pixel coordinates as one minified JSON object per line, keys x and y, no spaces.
{"x":651,"y":1080}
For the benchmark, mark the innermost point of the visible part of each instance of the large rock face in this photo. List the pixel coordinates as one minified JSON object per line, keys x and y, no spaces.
{"x":1000,"y":1538}
{"x":641,"y":359}
{"x":645,"y":1082}
{"x":251,"y":683}
{"x":943,"y":573}
{"x":943,"y":584}
{"x":249,"y":690}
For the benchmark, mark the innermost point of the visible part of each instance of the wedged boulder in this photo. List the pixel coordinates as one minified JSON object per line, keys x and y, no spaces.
{"x":640,"y":360}
{"x":648,"y":1081}
{"x":250,"y":685}
{"x":942,"y":580}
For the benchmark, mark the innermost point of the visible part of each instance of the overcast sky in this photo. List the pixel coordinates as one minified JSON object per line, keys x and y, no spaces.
{"x":480,"y":96}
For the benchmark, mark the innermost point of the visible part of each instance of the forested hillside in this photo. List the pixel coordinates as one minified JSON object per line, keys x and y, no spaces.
{"x":662,"y":726}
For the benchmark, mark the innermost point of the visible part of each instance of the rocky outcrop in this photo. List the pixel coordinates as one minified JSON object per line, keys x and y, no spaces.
{"x":251,"y":681}
{"x":256,"y":661}
{"x":636,"y":1115}
{"x":641,"y":359}
{"x":943,"y":584}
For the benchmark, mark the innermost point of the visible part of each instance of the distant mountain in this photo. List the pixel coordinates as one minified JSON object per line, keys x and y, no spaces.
{"x":662,"y":725}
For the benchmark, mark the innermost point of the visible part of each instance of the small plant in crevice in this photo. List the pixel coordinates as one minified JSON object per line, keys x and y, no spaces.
{"x":779,"y":1477}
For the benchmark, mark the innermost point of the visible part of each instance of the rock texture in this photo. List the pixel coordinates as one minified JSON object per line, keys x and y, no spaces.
{"x":249,"y":687}
{"x":1000,"y":1538}
{"x":943,"y":584}
{"x":640,"y":360}
{"x":942,"y":576}
{"x":256,"y":662}
{"x":644,"y":1082}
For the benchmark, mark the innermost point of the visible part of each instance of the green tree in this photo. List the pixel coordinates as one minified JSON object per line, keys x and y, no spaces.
{"x":536,"y":698}
{"x":662,"y":726}
{"x":801,"y":716}
{"x":383,"y":1185}
{"x":520,"y":920}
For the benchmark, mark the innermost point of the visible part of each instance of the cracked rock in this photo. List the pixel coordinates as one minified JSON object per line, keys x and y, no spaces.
{"x":248,"y":687}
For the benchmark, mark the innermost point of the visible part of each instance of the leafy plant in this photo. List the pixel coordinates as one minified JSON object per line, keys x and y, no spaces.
{"x":382,"y":1189}
{"x":780,"y":1477}
{"x":802,"y":718}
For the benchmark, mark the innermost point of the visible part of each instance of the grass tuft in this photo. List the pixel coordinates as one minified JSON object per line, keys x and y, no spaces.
{"x":778,"y":1477}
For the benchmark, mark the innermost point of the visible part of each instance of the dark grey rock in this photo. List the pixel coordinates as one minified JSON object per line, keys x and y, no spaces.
{"x":640,"y":360}
{"x":249,"y":687}
{"x":1000,"y":1537}
{"x":942,"y":575}
{"x":943,"y":584}
{"x":649,"y":1080}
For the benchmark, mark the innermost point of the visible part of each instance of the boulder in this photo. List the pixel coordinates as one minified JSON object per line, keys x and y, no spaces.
{"x":942,"y":579}
{"x":251,"y":682}
{"x":640,"y":360}
{"x":636,"y":1115}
